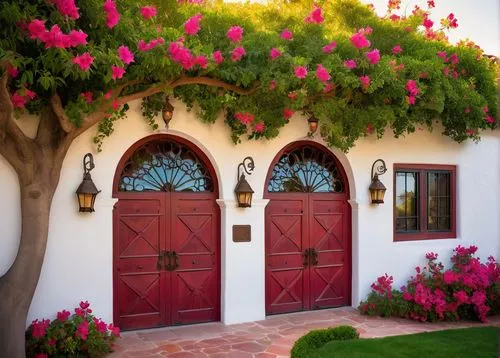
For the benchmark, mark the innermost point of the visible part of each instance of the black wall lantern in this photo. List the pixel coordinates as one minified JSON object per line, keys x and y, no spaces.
{"x":87,"y":190}
{"x":243,"y":190}
{"x":167,"y":112}
{"x":377,"y":189}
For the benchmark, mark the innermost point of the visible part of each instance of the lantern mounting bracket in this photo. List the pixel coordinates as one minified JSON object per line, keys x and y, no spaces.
{"x":379,"y":169}
{"x":248,"y":166}
{"x":88,"y":163}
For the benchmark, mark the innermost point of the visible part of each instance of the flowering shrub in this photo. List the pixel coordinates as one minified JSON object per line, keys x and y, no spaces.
{"x":80,"y":334}
{"x":468,"y":290}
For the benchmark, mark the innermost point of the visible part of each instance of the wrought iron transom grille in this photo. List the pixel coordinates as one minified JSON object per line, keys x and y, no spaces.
{"x":165,"y":166}
{"x":307,"y":170}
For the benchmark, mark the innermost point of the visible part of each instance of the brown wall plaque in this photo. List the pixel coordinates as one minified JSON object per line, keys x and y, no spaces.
{"x":242,"y":233}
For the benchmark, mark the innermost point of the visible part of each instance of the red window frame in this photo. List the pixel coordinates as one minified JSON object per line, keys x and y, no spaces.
{"x":424,"y":234}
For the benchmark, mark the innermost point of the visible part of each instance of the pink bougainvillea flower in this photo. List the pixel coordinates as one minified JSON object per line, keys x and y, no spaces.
{"x":201,"y":61}
{"x":125,"y":55}
{"x":366,"y":31}
{"x":288,"y":113}
{"x":359,"y":40}
{"x":112,"y":14}
{"x":115,"y":331}
{"x":396,"y":50}
{"x":467,"y":110}
{"x":450,"y":277}
{"x":286,"y":35}
{"x":365,"y":81}
{"x":237,"y":54}
{"x":316,"y":16}
{"x":350,"y":64}
{"x":489,"y":119}
{"x":88,"y":96}
{"x":12,"y":71}
{"x":63,"y":315}
{"x":108,"y":94}
{"x":117,"y":72}
{"x":84,"y":60}
{"x":471,"y":132}
{"x":395,"y":17}
{"x":36,"y":28}
{"x":30,"y":94}
{"x":443,"y":55}
{"x":148,"y":12}
{"x":412,"y":87}
{"x":453,"y":59}
{"x":427,"y":23}
{"x":393,"y":4}
{"x":55,"y":38}
{"x":431,"y":256}
{"x":192,"y":25}
{"x":217,"y":57}
{"x":100,"y":325}
{"x":330,"y":47}
{"x":39,"y":328}
{"x":300,"y":72}
{"x":18,"y":101}
{"x":259,"y":127}
{"x":430,"y":4}
{"x":322,"y":73}
{"x":83,"y":330}
{"x":485,"y":109}
{"x":328,"y":87}
{"x":244,"y":117}
{"x":181,"y":55}
{"x":449,"y":22}
{"x":373,"y":56}
{"x":274,"y":53}
{"x":272,"y":85}
{"x":146,"y":46}
{"x":115,"y":105}
{"x":77,"y":38}
{"x":235,"y":33}
{"x":67,"y":8}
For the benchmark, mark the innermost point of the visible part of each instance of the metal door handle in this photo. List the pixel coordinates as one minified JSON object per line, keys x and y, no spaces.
{"x":314,"y":257}
{"x":306,"y":254}
{"x":161,"y":263}
{"x":176,"y":260}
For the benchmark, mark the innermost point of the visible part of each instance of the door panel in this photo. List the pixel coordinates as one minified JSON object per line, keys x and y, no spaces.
{"x":194,"y":239}
{"x":286,"y":279}
{"x":139,"y":285}
{"x":328,"y":237}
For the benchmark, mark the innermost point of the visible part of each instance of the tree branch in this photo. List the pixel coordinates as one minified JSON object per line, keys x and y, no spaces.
{"x":183,"y":81}
{"x":57,"y":107}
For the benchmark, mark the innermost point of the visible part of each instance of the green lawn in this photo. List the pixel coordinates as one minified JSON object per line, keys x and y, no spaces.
{"x":467,"y":342}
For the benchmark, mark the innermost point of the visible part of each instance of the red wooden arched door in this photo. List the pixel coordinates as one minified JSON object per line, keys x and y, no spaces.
{"x":166,"y":235}
{"x":308,"y":231}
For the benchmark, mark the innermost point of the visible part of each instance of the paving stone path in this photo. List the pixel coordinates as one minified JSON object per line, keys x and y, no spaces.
{"x":271,"y":338}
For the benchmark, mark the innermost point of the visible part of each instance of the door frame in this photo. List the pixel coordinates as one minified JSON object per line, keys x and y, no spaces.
{"x":271,"y":196}
{"x":148,"y":195}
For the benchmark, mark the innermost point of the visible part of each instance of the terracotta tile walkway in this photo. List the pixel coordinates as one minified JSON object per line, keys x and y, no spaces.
{"x":271,"y":338}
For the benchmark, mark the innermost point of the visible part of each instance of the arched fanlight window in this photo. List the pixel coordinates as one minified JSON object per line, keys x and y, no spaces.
{"x":306,"y":169}
{"x":165,"y":166}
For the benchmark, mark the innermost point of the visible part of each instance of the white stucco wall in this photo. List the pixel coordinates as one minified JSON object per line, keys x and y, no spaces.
{"x":78,"y":262}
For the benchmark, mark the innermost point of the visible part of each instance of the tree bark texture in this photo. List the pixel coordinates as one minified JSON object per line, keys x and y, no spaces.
{"x":42,"y":159}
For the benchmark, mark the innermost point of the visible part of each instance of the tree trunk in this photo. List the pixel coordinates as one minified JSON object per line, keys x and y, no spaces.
{"x":38,"y":179}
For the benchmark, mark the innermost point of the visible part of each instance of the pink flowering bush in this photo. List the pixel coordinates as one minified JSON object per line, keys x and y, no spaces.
{"x":470,"y":289}
{"x":80,"y":334}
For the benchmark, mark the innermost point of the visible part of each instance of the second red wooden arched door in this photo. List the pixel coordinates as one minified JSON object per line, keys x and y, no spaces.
{"x":166,"y":236}
{"x":308,"y":231}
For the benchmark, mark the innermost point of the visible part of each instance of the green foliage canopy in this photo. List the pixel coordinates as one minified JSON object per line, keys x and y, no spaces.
{"x":456,"y":88}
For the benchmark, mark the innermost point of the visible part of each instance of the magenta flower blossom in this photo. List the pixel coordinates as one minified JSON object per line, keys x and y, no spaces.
{"x":88,"y":96}
{"x":316,"y":16}
{"x":288,"y":113}
{"x":77,"y":38}
{"x":148,"y":12}
{"x":322,"y":73}
{"x":12,"y":71}
{"x":259,"y":127}
{"x":217,"y":57}
{"x":272,"y":85}
{"x":125,"y":54}
{"x":55,"y":38}
{"x":489,"y":119}
{"x":115,"y":331}
{"x":181,"y":55}
{"x":112,"y":14}
{"x":396,"y":50}
{"x":117,"y":72}
{"x":359,"y":40}
{"x":83,"y":330}
{"x":443,"y":55}
{"x":67,"y":8}
{"x":244,"y":117}
{"x":412,"y":87}
{"x":84,"y":61}
{"x":328,"y":87}
{"x":237,"y":54}
{"x":300,"y":72}
{"x":365,"y":82}
{"x":18,"y":101}
{"x":201,"y":61}
{"x":427,"y":23}
{"x":63,"y":315}
{"x":192,"y":25}
{"x":274,"y":53}
{"x":146,"y":46}
{"x":453,"y":59}
{"x":373,"y":56}
{"x":350,"y":64}
{"x":330,"y":47}
{"x":36,"y":28}
{"x":235,"y":33}
{"x":39,"y":328}
{"x":286,"y":35}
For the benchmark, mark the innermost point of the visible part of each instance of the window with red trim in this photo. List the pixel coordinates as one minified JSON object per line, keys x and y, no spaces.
{"x":424,"y":202}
